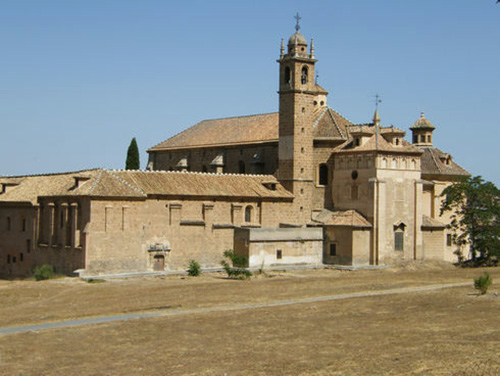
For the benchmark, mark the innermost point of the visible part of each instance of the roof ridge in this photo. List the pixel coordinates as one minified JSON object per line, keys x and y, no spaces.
{"x":320,"y":117}
{"x":95,"y":182}
{"x":137,"y":189}
{"x":335,"y":121}
{"x":50,"y":173}
{"x":192,"y":173}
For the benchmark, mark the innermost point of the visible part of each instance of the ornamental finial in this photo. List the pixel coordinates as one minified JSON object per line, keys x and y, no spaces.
{"x":298,"y":18}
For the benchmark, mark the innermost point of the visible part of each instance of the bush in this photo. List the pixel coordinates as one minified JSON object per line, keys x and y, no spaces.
{"x":44,"y":272}
{"x":194,"y":269}
{"x":236,"y":270}
{"x":482,"y":283}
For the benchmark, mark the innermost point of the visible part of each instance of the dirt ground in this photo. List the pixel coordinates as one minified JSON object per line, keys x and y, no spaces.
{"x":444,"y":332}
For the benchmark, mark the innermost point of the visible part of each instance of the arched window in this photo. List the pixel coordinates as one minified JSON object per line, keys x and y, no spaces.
{"x":384,"y":163}
{"x":287,"y":75}
{"x":394,"y":163}
{"x":303,"y":77}
{"x":241,"y":167}
{"x":323,"y":174}
{"x":248,"y":214}
{"x":399,"y":235}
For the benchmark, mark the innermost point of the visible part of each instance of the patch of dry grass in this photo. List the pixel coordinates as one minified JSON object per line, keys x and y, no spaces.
{"x":448,"y":332}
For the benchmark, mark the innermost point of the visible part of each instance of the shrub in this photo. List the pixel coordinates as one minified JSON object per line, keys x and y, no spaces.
{"x":194,"y":269}
{"x":236,"y":270}
{"x":482,"y":283}
{"x":44,"y":272}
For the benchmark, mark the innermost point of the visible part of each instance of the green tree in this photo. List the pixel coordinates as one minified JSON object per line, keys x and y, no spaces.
{"x":475,"y":219}
{"x":133,"y":162}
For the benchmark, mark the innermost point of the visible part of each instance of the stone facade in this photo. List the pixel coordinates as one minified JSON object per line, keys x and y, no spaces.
{"x":301,"y":186}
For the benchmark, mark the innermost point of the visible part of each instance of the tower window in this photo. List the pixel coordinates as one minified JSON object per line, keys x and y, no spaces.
{"x":323,"y":174}
{"x":303,"y":77}
{"x":415,"y":138}
{"x":279,"y":254}
{"x":429,"y":139}
{"x":287,"y":75}
{"x":422,"y":138}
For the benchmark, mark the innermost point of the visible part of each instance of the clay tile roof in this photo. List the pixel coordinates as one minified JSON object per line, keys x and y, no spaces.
{"x":141,"y":184}
{"x":330,"y":124}
{"x":344,"y":218}
{"x":431,"y":223}
{"x":226,"y":131}
{"x":422,"y":123}
{"x":250,"y":129}
{"x":381,"y":145}
{"x":30,"y":187}
{"x":185,"y":184}
{"x":434,"y":160}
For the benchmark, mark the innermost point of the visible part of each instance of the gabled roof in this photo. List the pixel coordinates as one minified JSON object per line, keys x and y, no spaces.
{"x":104,"y":183}
{"x":344,"y":218}
{"x":226,"y":131}
{"x":250,"y":129}
{"x":330,"y":124}
{"x":433,"y":163}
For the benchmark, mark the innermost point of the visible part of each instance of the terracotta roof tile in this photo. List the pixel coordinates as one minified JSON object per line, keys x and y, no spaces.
{"x":248,"y":130}
{"x":434,"y":163}
{"x":344,"y":218}
{"x":381,"y":145}
{"x":141,"y":184}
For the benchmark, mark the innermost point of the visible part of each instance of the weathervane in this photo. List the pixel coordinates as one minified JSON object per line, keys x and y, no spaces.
{"x":377,"y":101}
{"x":298,"y":18}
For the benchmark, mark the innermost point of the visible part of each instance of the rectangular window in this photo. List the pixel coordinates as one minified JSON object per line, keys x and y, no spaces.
{"x":333,"y":249}
{"x":398,"y":240}
{"x":279,"y":254}
{"x":354,"y":192}
{"x":21,"y":257}
{"x":8,"y":259}
{"x":28,"y":245}
{"x":449,"y":240}
{"x":23,"y":225}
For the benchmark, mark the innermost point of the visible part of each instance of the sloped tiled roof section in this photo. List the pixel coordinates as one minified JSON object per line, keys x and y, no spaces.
{"x":331,"y":125}
{"x":250,"y":129}
{"x":341,"y":218}
{"x":194,"y":184}
{"x":28,"y":188}
{"x":104,"y":183}
{"x":436,"y":162}
{"x":227,"y":131}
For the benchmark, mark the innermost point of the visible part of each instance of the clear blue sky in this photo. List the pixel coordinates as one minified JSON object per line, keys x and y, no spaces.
{"x":80,"y":78}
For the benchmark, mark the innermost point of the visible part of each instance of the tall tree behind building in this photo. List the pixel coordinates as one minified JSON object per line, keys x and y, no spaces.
{"x":133,"y":162}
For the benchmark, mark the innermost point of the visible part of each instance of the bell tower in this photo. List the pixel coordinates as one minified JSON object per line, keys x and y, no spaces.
{"x":297,"y":93}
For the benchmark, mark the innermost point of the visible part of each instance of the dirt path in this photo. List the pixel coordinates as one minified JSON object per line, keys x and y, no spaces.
{"x":234,"y":307}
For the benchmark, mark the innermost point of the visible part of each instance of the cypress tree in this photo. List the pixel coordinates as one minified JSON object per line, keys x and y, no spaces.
{"x":133,"y":162}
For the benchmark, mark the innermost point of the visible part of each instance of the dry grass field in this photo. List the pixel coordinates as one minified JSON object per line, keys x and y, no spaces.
{"x":443,"y":332}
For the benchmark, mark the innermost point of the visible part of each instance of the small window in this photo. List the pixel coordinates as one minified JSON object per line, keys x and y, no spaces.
{"x":303,"y":77}
{"x":279,"y":254}
{"x":302,"y":150}
{"x":357,"y":142}
{"x":354,"y":192}
{"x":248,"y":214}
{"x":415,"y":138}
{"x":21,"y":257}
{"x":323,"y":174}
{"x":398,"y":240}
{"x":287,"y":75}
{"x":397,"y":141}
{"x":429,"y":139}
{"x":241,"y":167}
{"x":8,"y":259}
{"x":449,"y":240}
{"x":23,"y":225}
{"x":422,"y":138}
{"x":333,"y":249}
{"x":13,"y":259}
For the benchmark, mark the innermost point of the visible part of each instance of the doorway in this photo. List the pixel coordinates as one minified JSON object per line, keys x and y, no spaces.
{"x":159,"y":263}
